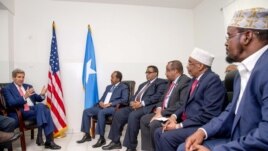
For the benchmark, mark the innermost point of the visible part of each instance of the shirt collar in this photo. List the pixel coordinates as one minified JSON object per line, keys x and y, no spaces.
{"x":176,"y":80}
{"x":18,"y":85}
{"x":199,"y":77}
{"x":251,"y":61}
{"x":117,"y":84}
{"x":153,"y":80}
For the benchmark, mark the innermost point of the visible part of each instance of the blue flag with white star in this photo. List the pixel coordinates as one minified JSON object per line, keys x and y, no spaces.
{"x":89,"y":78}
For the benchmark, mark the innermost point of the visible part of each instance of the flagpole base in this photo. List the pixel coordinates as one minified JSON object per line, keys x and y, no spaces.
{"x":60,"y":136}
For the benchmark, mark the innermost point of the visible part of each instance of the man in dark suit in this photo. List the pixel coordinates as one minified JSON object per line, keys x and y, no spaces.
{"x":143,"y":102}
{"x":19,"y":94}
{"x":205,"y":100}
{"x":244,"y":123}
{"x":114,"y":94}
{"x":173,"y":98}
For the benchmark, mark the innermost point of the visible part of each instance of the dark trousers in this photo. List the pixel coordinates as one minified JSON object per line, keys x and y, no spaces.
{"x":211,"y":144}
{"x":100,"y":113}
{"x":133,"y":127}
{"x":120,"y":118}
{"x":170,"y":140}
{"x":147,"y":131}
{"x":7,"y":124}
{"x":41,"y":114}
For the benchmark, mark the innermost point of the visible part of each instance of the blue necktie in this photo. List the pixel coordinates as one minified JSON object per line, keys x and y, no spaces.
{"x":112,"y":88}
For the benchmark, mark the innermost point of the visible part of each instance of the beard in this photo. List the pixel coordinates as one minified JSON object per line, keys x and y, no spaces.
{"x":228,"y":59}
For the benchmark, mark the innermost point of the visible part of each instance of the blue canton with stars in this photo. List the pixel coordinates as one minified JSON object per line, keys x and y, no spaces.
{"x":54,"y":57}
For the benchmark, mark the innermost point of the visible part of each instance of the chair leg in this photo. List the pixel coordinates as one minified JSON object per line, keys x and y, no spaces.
{"x":92,"y":129}
{"x":22,"y":141}
{"x":32,"y":133}
{"x":10,"y":148}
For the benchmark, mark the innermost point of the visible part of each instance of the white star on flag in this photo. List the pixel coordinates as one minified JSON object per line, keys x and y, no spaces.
{"x":89,"y":69}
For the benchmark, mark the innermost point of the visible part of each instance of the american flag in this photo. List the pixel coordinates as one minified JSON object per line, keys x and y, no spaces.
{"x":55,"y":93}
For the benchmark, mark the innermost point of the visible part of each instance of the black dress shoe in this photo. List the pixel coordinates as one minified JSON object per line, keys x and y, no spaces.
{"x":131,"y":149}
{"x":52,"y":145}
{"x":112,"y":145}
{"x":85,"y":138}
{"x":99,"y":143}
{"x":39,"y":141}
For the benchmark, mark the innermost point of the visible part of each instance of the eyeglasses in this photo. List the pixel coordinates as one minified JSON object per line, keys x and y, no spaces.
{"x":149,"y":72}
{"x":228,"y":37}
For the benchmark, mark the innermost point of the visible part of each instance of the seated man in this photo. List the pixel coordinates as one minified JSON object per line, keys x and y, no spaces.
{"x":205,"y":100}
{"x":7,"y":126}
{"x":114,"y":94}
{"x":18,"y":94}
{"x":173,"y":99}
{"x":243,"y":126}
{"x":144,"y":100}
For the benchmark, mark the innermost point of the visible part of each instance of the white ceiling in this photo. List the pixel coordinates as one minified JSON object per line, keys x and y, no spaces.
{"x":186,"y":4}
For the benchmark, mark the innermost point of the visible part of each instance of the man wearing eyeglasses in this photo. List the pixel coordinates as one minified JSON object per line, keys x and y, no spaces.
{"x":174,"y":98}
{"x":244,"y":123}
{"x":142,"y":103}
{"x":205,"y":100}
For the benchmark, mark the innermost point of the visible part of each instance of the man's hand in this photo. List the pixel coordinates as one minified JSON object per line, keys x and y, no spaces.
{"x":157,"y":115}
{"x":29,"y":92}
{"x":136,"y":104}
{"x":107,"y":105}
{"x":101,"y":104}
{"x":194,"y":140}
{"x":199,"y":148}
{"x":170,"y":124}
{"x":43,"y":91}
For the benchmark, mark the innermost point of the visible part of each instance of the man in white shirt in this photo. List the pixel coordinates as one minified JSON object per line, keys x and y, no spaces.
{"x":244,"y":123}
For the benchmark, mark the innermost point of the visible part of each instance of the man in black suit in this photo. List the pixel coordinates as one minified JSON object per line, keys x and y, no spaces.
{"x":115,"y":93}
{"x":143,"y":102}
{"x":172,"y":100}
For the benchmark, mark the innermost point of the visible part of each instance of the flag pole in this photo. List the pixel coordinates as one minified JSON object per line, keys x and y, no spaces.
{"x":89,"y":28}
{"x":61,"y":127}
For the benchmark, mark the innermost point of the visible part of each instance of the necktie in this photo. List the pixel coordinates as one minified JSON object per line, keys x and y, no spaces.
{"x":112,"y":88}
{"x":194,"y":84}
{"x":26,"y":106}
{"x":138,"y":97}
{"x":167,"y":94}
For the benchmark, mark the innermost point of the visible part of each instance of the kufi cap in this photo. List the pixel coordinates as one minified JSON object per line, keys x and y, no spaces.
{"x":254,"y":18}
{"x":202,"y":56}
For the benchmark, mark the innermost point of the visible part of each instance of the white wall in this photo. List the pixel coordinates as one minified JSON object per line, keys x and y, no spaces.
{"x":4,"y":65}
{"x":209,"y":31}
{"x":126,"y":38}
{"x":6,"y":44}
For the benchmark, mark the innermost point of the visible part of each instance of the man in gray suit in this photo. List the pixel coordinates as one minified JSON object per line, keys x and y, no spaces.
{"x":173,"y":98}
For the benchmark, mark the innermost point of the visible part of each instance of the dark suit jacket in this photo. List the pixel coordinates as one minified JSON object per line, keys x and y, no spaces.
{"x":248,"y":129}
{"x":178,"y":96}
{"x":206,"y":101}
{"x":152,"y":95}
{"x":13,"y":98}
{"x":119,"y":95}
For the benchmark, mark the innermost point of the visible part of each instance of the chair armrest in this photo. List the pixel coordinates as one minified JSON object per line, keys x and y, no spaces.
{"x":20,"y":118}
